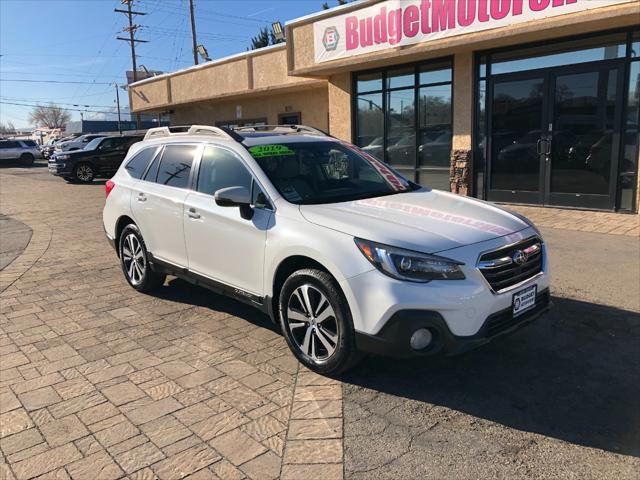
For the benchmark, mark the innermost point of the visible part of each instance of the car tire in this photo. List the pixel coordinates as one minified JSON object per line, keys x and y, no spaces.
{"x":316,"y":322}
{"x":134,"y":260}
{"x":84,"y":173}
{"x":27,"y":159}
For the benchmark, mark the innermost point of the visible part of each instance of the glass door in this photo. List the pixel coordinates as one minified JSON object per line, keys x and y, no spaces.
{"x":517,"y":139}
{"x":584,"y":136}
{"x":555,"y":136}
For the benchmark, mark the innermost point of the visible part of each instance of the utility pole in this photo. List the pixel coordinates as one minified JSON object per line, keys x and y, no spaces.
{"x":132,"y":41}
{"x":118,"y":103}
{"x":193,"y":33}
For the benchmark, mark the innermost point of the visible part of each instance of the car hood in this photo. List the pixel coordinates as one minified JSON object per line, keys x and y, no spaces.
{"x":425,"y":220}
{"x":78,"y":153}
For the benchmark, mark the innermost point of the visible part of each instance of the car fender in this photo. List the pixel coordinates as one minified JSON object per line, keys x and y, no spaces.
{"x":335,"y":251}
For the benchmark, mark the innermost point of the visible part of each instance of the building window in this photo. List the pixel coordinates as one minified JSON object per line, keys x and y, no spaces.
{"x":403,"y":116}
{"x":258,"y":122}
{"x":290,"y":118}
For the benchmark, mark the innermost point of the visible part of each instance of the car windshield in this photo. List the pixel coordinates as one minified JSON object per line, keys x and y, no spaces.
{"x":326,"y":172}
{"x":93,"y":144}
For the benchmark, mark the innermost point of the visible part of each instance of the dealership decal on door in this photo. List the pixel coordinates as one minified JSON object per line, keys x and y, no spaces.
{"x":395,"y":23}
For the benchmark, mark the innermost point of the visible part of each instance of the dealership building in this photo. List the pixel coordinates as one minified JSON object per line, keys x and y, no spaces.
{"x":520,"y":101}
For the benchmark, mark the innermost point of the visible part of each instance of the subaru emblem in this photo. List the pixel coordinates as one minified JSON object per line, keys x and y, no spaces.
{"x":519,"y":257}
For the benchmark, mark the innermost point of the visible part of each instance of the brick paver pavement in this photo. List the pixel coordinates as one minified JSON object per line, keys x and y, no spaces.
{"x":100,"y":382}
{"x":582,"y":220}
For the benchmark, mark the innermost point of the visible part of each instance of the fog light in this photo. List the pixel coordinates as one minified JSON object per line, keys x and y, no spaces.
{"x":421,"y":339}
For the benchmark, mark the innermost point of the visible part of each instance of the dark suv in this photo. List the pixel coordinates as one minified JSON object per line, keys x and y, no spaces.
{"x":100,"y":158}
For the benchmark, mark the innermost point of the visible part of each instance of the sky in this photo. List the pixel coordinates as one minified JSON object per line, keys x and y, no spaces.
{"x":46,"y":43}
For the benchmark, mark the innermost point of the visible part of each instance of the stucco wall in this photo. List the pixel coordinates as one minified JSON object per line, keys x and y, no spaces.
{"x":339,"y":94}
{"x":271,"y":69}
{"x":153,"y":93}
{"x":204,"y":83}
{"x":311,"y":103}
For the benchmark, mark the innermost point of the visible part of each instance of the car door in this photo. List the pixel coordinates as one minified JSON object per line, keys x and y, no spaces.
{"x":110,"y":153}
{"x":221,"y":245}
{"x":157,"y":202}
{"x":10,"y":150}
{"x":5,"y":150}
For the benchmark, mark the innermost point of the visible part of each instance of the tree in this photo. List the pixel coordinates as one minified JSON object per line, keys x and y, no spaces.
{"x":325,"y":5}
{"x":264,"y":38}
{"x":50,"y":116}
{"x":8,"y":128}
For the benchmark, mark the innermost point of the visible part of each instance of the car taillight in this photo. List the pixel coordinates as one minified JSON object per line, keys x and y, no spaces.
{"x":110,"y":185}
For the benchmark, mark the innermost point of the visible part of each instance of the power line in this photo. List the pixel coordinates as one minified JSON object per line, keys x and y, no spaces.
{"x":61,"y":108}
{"x":40,"y":102}
{"x":24,"y":80}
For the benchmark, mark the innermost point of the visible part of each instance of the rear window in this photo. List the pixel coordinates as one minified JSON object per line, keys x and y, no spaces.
{"x":138,"y":164}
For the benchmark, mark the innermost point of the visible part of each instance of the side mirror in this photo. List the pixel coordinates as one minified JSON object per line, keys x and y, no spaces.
{"x":235,"y":197}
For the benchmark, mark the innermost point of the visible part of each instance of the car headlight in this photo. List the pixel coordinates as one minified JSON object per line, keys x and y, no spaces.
{"x":408,"y":265}
{"x":63,"y":157}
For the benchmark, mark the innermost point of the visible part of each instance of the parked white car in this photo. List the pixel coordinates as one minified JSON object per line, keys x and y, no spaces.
{"x":341,"y":251}
{"x":77,"y":143}
{"x":25,"y":151}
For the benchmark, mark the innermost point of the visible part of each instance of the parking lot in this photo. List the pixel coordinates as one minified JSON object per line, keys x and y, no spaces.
{"x":99,"y":381}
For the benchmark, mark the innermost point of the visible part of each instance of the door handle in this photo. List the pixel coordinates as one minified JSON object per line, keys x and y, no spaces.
{"x":191,"y":213}
{"x":142,"y":197}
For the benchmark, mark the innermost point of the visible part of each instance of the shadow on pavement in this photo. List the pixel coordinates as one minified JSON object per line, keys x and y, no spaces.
{"x":181,"y":291}
{"x":17,"y":164}
{"x":573,"y":375}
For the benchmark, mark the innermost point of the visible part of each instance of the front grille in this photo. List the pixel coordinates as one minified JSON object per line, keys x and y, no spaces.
{"x":501,"y":270}
{"x":501,"y":321}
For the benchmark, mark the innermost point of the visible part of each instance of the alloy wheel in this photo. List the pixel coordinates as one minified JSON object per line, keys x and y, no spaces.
{"x":134,"y":260}
{"x":313,"y":324}
{"x":84,"y":173}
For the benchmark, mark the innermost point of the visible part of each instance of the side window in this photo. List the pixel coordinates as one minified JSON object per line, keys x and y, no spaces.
{"x":138,"y":164}
{"x":175,"y":165}
{"x":109,"y":144}
{"x":4,"y":145}
{"x":258,"y":198}
{"x":220,"y":168}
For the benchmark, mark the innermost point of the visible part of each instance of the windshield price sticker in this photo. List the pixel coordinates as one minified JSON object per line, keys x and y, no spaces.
{"x":260,"y":151}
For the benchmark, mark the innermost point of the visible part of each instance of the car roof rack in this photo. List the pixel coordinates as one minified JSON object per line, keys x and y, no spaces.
{"x":282,"y":129}
{"x":158,"y":132}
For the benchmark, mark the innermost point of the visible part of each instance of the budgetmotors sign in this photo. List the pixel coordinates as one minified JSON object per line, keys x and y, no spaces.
{"x":396,"y":23}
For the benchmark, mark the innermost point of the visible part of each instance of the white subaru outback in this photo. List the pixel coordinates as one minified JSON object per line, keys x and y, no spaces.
{"x":341,"y":251}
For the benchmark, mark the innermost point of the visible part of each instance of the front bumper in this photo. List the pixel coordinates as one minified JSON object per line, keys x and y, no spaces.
{"x":60,"y":169}
{"x":393,"y":339}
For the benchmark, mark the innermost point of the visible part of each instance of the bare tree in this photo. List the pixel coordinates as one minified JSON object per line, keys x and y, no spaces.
{"x":50,"y":116}
{"x":7,"y":128}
